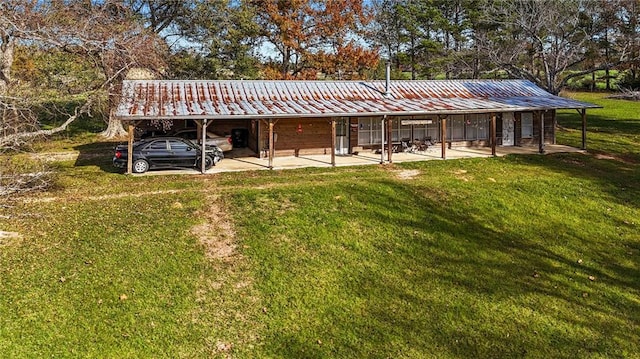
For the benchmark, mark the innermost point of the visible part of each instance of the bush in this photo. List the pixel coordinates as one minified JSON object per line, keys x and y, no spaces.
{"x":629,"y":82}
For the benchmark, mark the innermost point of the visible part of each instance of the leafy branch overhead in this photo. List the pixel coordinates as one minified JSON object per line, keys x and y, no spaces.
{"x":85,"y":48}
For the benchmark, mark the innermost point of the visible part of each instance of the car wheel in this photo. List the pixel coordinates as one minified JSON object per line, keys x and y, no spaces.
{"x":208,"y":162}
{"x":140,"y":166}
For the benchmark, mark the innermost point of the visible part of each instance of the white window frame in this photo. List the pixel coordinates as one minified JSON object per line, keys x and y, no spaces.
{"x":526,"y":128}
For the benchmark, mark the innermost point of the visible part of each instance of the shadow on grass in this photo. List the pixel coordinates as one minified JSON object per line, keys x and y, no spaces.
{"x":479,"y":265}
{"x":98,"y":154}
{"x":598,"y":123}
{"x":620,"y":180}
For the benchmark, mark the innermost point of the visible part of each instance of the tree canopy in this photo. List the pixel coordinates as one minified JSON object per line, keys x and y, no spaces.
{"x":91,"y":45}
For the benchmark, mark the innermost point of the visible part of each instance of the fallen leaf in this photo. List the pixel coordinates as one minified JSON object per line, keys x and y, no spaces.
{"x":223,"y":347}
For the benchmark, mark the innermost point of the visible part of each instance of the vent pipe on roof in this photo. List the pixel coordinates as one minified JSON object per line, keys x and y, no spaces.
{"x":387,"y":91}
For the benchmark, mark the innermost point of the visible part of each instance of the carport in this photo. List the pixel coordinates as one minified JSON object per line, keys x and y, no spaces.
{"x":324,"y":103}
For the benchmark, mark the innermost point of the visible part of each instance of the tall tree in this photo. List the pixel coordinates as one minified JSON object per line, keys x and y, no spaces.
{"x":287,"y":25}
{"x":311,"y":35}
{"x":338,"y":29}
{"x":226,"y":39}
{"x":542,"y":40}
{"x":105,"y":33}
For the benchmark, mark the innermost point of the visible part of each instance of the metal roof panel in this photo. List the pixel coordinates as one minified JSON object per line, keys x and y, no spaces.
{"x":149,"y":99}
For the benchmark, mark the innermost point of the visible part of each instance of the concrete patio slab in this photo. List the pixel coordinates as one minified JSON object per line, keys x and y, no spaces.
{"x":249,"y":163}
{"x":245,"y":160}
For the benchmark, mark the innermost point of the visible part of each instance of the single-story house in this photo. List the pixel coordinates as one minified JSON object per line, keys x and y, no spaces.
{"x":278,"y":118}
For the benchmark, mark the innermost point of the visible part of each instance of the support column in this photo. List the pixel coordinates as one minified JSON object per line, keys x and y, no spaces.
{"x":555,"y":126}
{"x":271,"y":144}
{"x":443,"y":137}
{"x":494,"y":134}
{"x":131,"y":131}
{"x":384,"y":118}
{"x":333,"y":142}
{"x":199,"y":129}
{"x":389,"y":139}
{"x":541,"y":142}
{"x":583,"y":113}
{"x":203,"y":154}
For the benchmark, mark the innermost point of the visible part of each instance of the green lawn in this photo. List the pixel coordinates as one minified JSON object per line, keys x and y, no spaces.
{"x":519,"y":256}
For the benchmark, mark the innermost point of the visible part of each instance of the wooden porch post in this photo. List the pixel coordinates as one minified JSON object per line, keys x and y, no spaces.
{"x":384,"y":118}
{"x":583,"y":113}
{"x":131,"y":130}
{"x":333,"y":142}
{"x":541,"y":142}
{"x":555,"y":126}
{"x":204,"y":146}
{"x":494,"y":135}
{"x":271,"y":144}
{"x":199,"y":130}
{"x":389,"y":139}
{"x":443,"y":136}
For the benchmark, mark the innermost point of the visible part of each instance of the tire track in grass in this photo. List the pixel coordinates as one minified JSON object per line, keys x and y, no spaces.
{"x":227,"y":307}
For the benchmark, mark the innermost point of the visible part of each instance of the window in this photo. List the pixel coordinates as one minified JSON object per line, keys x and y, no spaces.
{"x":456,"y":128}
{"x":477,"y":126}
{"x":527,"y":124}
{"x":369,"y":131}
{"x":158,"y":145}
{"x":178,"y":145}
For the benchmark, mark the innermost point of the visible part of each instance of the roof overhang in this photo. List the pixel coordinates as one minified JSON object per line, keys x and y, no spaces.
{"x":223,"y":100}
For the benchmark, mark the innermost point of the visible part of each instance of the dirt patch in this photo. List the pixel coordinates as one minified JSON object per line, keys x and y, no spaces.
{"x":225,"y":295}
{"x":462,"y":175}
{"x":408,"y":174}
{"x":216,"y":234}
{"x":57,"y":156}
{"x":102,"y":197}
{"x":8,"y":237}
{"x":626,"y":161}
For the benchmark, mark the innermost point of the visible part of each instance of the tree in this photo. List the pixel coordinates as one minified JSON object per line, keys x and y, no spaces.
{"x":312,"y":35}
{"x":104,"y":33}
{"x":223,"y":38}
{"x":340,"y":53}
{"x":542,"y":40}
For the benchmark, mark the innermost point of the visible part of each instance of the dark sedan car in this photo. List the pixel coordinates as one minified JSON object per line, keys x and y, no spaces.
{"x":166,"y":152}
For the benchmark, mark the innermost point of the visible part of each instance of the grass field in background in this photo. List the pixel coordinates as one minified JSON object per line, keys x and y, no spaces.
{"x":518,"y":256}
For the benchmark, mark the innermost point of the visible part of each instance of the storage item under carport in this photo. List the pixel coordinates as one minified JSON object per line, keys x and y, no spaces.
{"x":240,"y":137}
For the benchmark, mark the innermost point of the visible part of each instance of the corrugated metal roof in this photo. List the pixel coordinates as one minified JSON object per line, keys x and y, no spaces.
{"x":161,"y":99}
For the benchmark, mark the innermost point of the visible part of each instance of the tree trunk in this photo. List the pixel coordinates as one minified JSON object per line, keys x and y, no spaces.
{"x":7,"y":44}
{"x":115,"y":129}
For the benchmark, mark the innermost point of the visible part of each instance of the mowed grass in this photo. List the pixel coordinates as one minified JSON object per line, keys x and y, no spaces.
{"x":520,"y":256}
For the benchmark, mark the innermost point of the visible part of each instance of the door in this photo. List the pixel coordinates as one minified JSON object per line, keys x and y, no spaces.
{"x":508,"y":129}
{"x":181,"y":154}
{"x":157,"y":153}
{"x":342,"y":136}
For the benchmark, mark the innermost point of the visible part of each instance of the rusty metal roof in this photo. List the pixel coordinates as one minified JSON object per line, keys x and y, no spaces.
{"x":174,"y":99}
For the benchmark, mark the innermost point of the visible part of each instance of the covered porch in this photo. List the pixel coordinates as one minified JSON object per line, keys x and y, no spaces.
{"x":245,"y":160}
